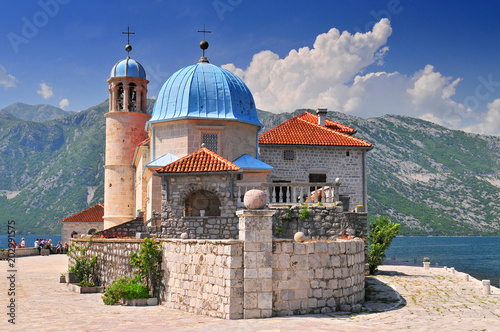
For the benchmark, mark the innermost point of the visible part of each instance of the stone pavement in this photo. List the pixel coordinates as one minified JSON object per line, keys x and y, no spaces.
{"x":401,"y":297}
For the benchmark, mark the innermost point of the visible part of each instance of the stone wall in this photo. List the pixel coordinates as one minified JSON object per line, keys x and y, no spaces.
{"x":204,"y":277}
{"x":252,"y":277}
{"x":177,"y":189}
{"x":127,"y":229}
{"x":113,"y":257}
{"x":317,"y":277}
{"x":325,"y":222}
{"x":331,"y":161}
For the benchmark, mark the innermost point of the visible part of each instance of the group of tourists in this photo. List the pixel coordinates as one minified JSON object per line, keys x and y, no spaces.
{"x":40,"y":244}
{"x":47,"y":244}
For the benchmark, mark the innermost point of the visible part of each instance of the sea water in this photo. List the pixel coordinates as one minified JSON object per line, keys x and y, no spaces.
{"x":477,"y":256}
{"x":29,"y":240}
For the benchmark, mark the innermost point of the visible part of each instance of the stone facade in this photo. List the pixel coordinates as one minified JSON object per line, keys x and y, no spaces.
{"x":184,"y":136}
{"x":332,"y":161}
{"x":204,"y":277}
{"x":317,"y":277}
{"x":325,"y":222}
{"x":176,"y":190}
{"x":124,"y":130}
{"x":79,"y":228}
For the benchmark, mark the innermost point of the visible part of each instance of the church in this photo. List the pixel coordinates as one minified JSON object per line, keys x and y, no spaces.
{"x":188,"y":165}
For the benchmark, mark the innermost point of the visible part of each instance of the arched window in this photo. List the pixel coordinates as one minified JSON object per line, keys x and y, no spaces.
{"x":119,"y":97}
{"x":92,"y":231}
{"x":200,"y":203}
{"x":74,"y":234}
{"x":132,"y":95}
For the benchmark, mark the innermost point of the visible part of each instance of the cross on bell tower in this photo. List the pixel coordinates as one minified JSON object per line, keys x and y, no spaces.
{"x":128,"y":48}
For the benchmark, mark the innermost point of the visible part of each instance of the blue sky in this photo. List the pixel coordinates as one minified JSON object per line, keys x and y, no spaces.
{"x":436,"y":60}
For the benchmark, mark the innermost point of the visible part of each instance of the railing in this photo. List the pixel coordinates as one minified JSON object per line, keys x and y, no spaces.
{"x":290,"y":193}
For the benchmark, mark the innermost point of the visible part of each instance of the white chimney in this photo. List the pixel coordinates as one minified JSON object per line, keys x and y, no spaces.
{"x":321,"y":115}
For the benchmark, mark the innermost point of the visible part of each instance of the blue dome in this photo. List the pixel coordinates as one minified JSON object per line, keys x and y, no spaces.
{"x":205,"y":91}
{"x":128,"y":67}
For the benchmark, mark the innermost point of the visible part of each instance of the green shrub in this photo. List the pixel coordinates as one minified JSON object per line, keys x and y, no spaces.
{"x":382,"y":232}
{"x":126,"y":288}
{"x":84,"y":268}
{"x":148,"y":262}
{"x":304,"y":213}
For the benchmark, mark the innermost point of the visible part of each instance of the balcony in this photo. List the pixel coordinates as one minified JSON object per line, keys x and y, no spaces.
{"x":291,"y":193}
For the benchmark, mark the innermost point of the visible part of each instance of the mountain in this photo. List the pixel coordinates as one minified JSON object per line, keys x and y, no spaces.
{"x":36,"y":113}
{"x":433,"y":180}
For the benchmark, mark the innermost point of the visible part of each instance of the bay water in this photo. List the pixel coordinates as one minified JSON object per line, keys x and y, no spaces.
{"x":28,"y":239}
{"x":477,"y":256}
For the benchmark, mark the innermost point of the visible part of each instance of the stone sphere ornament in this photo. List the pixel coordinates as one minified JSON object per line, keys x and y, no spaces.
{"x":299,"y":237}
{"x":184,"y":236}
{"x":255,"y":199}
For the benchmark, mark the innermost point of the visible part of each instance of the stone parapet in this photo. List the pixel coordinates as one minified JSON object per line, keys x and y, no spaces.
{"x":324,"y":222}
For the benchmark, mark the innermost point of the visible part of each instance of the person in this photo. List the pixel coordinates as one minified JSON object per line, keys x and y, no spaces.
{"x":13,"y":244}
{"x":37,"y":245}
{"x":59,"y":248}
{"x":65,"y":248}
{"x":22,"y":244}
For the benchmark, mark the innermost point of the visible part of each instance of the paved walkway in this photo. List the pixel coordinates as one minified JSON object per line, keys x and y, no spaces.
{"x":403,"y":298}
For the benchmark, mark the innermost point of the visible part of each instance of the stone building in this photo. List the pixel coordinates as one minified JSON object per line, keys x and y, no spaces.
{"x":83,"y":223}
{"x":311,"y":148}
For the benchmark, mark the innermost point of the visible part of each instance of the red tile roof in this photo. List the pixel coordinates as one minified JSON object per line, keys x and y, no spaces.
{"x":312,"y":118}
{"x":144,"y":142}
{"x":202,"y":160}
{"x":302,"y":130}
{"x":92,"y":214}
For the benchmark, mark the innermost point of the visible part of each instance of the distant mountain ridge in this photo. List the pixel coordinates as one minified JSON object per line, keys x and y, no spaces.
{"x":36,"y":113}
{"x":433,"y":180}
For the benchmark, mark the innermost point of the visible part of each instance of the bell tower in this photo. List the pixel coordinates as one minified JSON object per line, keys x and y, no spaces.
{"x":125,"y":128}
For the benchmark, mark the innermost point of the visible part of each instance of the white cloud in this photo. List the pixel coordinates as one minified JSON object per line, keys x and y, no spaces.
{"x":489,"y":122}
{"x":45,"y":91}
{"x":304,"y":78}
{"x":64,"y":103}
{"x":7,"y":80}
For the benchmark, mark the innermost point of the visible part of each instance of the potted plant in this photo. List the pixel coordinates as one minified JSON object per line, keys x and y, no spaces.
{"x":62,"y":278}
{"x":359,"y":209}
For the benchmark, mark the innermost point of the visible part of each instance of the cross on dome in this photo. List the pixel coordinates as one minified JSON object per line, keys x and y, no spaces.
{"x":204,"y":44}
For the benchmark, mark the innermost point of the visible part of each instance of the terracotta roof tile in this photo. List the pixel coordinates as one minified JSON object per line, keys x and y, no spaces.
{"x":144,"y":142}
{"x":202,"y":160}
{"x":303,"y":130}
{"x":312,"y":118}
{"x":92,"y":214}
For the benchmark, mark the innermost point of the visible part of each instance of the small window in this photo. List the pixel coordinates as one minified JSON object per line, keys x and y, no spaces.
{"x":347,"y":154}
{"x":211,"y":142}
{"x":313,"y":177}
{"x":289,"y":155}
{"x":239,"y":177}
